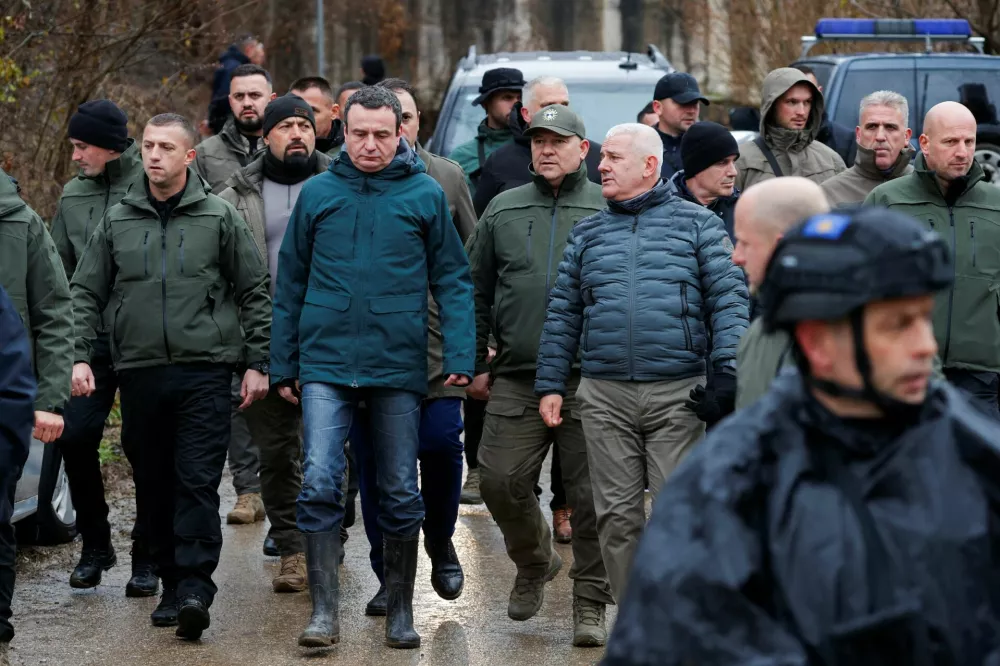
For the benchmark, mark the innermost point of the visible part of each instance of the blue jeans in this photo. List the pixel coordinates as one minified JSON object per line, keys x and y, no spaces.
{"x":328,"y":412}
{"x":440,"y":458}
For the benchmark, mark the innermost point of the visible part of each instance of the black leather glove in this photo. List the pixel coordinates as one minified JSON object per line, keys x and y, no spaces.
{"x":713,"y":403}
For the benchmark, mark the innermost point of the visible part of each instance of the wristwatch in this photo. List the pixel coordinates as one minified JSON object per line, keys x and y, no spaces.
{"x":263,"y":367}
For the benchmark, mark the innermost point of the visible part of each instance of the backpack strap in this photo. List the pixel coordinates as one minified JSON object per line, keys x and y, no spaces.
{"x":768,"y":155}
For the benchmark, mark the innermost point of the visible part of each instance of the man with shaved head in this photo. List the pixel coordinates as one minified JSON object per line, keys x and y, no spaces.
{"x":642,"y":288}
{"x":763,"y":214}
{"x":947,"y":191}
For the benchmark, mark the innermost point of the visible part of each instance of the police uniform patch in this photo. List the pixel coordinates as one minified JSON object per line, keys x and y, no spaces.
{"x":727,"y":243}
{"x":549,"y":114}
{"x":826,"y":226}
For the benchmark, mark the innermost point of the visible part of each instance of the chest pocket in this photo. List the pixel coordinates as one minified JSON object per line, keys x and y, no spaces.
{"x":518,"y":243}
{"x":137,"y":251}
{"x":984,"y":237}
{"x":193,"y":248}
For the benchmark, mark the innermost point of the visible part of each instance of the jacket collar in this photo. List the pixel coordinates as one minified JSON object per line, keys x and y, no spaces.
{"x":865,"y":162}
{"x":486,"y":133}
{"x":195,"y":190}
{"x":570,"y":184}
{"x":405,"y":163}
{"x":659,"y":194}
{"x":232,"y":137}
{"x":251,"y":177}
{"x":929,"y":178}
{"x":679,"y":183}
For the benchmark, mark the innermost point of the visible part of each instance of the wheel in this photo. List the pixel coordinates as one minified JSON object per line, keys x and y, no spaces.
{"x":55,"y":520}
{"x":988,"y":156}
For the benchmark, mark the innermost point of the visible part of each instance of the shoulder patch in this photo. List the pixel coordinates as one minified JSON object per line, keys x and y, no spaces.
{"x":826,"y":226}
{"x":727,"y":243}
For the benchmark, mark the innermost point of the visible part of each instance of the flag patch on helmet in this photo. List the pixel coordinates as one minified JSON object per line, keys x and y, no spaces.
{"x":826,"y":226}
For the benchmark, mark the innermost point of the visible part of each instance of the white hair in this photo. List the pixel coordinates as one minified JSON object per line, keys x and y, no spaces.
{"x":887,"y":98}
{"x":527,"y":93}
{"x":646,"y":141}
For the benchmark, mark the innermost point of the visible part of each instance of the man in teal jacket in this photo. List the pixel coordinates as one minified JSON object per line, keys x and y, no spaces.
{"x":365,"y":241}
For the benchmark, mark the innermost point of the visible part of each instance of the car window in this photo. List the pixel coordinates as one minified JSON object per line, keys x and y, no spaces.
{"x":978,"y":89}
{"x":860,"y":82}
{"x":822,"y":70}
{"x":601,"y":105}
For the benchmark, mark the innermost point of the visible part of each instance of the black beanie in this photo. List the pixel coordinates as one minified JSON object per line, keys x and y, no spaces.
{"x":286,"y":106}
{"x":703,"y":145}
{"x":100,"y":123}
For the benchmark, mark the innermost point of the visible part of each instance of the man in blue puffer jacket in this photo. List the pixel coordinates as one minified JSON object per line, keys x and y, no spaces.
{"x":365,"y":241}
{"x":641,"y":287}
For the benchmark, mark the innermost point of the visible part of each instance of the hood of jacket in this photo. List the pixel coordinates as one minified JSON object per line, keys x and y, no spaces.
{"x":865,"y":162}
{"x":405,"y":163}
{"x":10,"y":200}
{"x":776,"y":84}
{"x":659,"y":194}
{"x":250,"y":178}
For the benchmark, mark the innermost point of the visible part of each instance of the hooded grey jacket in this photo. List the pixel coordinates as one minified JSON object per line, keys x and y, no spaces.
{"x":796,"y":151}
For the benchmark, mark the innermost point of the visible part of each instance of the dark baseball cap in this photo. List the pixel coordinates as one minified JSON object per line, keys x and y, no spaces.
{"x":681,"y":87}
{"x":559,"y":119}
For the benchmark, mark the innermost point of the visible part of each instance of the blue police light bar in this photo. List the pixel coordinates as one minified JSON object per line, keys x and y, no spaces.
{"x":893,"y":28}
{"x":925,"y":30}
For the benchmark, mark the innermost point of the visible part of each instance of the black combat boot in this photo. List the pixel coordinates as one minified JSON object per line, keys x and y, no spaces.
{"x":400,"y":574}
{"x":165,"y":613}
{"x":93,"y":562}
{"x":447,"y":577}
{"x":322,"y":552}
{"x":192,"y":617}
{"x":143,"y":582}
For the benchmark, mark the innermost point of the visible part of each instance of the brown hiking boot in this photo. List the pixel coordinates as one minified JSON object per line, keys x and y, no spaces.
{"x":561,"y":530}
{"x":292,"y":577}
{"x":248,"y":510}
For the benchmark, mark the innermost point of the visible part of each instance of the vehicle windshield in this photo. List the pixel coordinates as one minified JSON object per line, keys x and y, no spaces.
{"x":602,"y":106}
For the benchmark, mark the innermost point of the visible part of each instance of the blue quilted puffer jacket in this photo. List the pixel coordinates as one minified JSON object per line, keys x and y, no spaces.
{"x":641,"y":287}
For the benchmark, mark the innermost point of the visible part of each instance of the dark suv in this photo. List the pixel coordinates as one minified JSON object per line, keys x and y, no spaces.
{"x":925,"y":79}
{"x":606,"y":88}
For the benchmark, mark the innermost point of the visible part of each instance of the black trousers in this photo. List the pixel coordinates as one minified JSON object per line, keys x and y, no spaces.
{"x":475,"y":415}
{"x":980,"y":386}
{"x":8,"y":556}
{"x":179,"y":416}
{"x":84,"y":418}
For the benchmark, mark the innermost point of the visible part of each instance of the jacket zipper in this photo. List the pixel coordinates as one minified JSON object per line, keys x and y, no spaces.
{"x":684,"y":317}
{"x":631,"y":293}
{"x":552,"y":247}
{"x":163,"y":284}
{"x":181,"y":247}
{"x":972,"y":231}
{"x":530,"y":225}
{"x":86,"y":228}
{"x":365,"y":258}
{"x":145,"y":254}
{"x":951,"y":292}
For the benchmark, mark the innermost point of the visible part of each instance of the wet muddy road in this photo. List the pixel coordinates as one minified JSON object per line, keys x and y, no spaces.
{"x":58,"y":626}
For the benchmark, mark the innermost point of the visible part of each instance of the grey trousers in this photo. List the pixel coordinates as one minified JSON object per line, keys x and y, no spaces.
{"x":514,"y":445}
{"x":244,"y":462}
{"x":633,"y":429}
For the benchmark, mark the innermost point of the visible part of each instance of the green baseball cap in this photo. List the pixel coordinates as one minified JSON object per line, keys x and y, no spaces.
{"x":559,"y":119}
